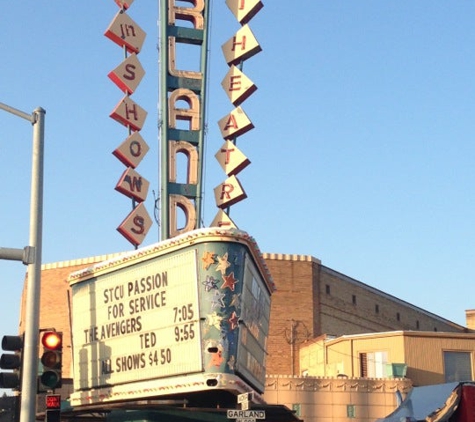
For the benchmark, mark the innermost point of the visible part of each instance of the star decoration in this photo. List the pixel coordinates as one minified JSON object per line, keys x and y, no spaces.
{"x":210,"y":283}
{"x":217,"y":300}
{"x":236,"y":300}
{"x":229,"y":281}
{"x":231,"y":362}
{"x":223,"y":264}
{"x":233,"y":321}
{"x":208,"y":259}
{"x":214,"y":320}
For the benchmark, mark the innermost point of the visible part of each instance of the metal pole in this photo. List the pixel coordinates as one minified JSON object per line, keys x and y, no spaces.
{"x":164,"y":225}
{"x":32,"y":311}
{"x":25,"y":255}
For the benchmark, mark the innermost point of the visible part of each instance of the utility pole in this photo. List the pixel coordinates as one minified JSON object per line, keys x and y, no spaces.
{"x":31,"y":255}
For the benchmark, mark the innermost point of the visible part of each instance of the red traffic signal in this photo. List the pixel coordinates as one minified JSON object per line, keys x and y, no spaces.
{"x":51,"y":359}
{"x":52,"y":340}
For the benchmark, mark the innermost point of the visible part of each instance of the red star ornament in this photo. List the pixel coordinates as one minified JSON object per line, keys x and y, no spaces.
{"x":233,"y":321}
{"x":229,"y":281}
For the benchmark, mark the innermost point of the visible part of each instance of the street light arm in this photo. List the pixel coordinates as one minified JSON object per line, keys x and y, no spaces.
{"x":30,"y":117}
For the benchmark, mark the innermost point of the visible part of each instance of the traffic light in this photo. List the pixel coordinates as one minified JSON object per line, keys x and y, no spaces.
{"x":11,"y":361}
{"x":51,"y":360}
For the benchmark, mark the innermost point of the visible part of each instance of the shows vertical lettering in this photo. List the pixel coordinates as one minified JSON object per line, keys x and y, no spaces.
{"x":127,"y":31}
{"x":139,"y":222}
{"x":130,"y":72}
{"x":135,"y":149}
{"x":133,"y":111}
{"x":135,"y":183}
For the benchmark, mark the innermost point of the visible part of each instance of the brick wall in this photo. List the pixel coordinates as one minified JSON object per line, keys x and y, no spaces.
{"x":55,"y":303}
{"x":351,"y":307}
{"x":292,"y":317}
{"x":315,"y":300}
{"x":310,"y":300}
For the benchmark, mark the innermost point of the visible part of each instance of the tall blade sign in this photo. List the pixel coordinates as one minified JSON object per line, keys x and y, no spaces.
{"x":242,"y":46}
{"x":124,"y":32}
{"x":183,"y":36}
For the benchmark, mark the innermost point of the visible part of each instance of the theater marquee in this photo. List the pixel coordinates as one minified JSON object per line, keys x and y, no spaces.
{"x":184,"y":315}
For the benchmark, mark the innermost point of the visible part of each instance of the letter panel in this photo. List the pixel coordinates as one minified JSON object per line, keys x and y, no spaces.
{"x":128,"y":75}
{"x":190,"y":152}
{"x":125,"y":33}
{"x":189,"y":14}
{"x":132,"y":150}
{"x":136,"y":225}
{"x":188,"y":208}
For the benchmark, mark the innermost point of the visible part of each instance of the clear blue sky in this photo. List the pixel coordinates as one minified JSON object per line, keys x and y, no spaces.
{"x":362,"y":156}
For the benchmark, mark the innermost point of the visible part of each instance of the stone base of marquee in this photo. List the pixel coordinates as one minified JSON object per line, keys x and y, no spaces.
{"x":201,"y":382}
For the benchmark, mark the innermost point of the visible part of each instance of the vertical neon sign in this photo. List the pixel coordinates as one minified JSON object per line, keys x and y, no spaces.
{"x":183,"y":30}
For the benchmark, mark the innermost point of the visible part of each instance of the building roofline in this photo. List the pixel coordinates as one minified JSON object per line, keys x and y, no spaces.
{"x":100,"y":258}
{"x":394,"y":298}
{"x":80,"y":261}
{"x":291,"y":257}
{"x":402,"y":333}
{"x":271,"y":256}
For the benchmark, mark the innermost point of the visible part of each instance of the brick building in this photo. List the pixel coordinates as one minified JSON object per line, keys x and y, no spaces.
{"x":311,"y":300}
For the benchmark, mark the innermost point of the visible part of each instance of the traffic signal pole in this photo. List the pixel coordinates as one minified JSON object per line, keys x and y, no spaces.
{"x":32,"y":308}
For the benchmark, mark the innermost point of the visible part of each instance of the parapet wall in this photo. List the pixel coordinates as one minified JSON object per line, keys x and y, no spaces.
{"x":325,"y":399}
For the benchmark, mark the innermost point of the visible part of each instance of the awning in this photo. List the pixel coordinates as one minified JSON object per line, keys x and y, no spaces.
{"x":432,"y":403}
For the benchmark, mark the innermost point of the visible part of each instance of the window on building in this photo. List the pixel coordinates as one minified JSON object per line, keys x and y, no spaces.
{"x":457,"y":366}
{"x":373,"y":364}
{"x":327,"y":289}
{"x":353,"y":299}
{"x":398,"y":316}
{"x":297,"y":408}
{"x":376,"y":308}
{"x":417,"y":324}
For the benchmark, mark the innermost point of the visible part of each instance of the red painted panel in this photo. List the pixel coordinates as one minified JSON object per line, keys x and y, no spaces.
{"x":466,"y":410}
